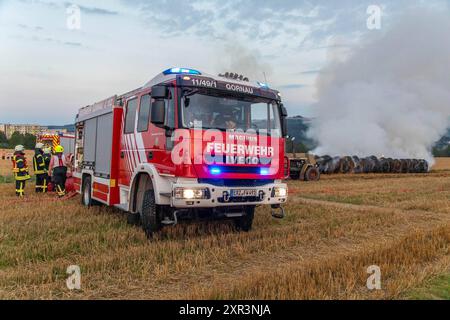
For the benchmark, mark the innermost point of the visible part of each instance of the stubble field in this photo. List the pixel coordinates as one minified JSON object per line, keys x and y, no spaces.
{"x":335,"y":229}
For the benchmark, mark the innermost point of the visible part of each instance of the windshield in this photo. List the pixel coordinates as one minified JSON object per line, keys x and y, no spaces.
{"x":231,"y":113}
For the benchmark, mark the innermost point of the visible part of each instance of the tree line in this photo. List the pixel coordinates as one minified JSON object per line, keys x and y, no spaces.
{"x":442,"y":152}
{"x":27,"y":140}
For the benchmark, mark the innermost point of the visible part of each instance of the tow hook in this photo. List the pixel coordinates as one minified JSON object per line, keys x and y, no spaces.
{"x":226,"y":196}
{"x":280,"y":214}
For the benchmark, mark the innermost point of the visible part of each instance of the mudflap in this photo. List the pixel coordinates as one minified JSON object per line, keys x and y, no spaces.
{"x":70,"y":187}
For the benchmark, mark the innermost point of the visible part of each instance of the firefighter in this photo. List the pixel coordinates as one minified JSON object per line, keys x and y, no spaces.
{"x":227,"y":120}
{"x":40,"y":169}
{"x":47,"y":157}
{"x":58,"y":171}
{"x":20,"y":169}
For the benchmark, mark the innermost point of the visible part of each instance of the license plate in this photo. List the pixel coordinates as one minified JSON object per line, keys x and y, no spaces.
{"x":243,"y":193}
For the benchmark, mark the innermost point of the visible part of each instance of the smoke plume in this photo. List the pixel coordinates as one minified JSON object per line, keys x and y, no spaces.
{"x":238,"y":58}
{"x":391,"y":96}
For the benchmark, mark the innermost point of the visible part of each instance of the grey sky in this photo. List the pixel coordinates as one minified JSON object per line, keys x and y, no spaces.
{"x":47,"y":72}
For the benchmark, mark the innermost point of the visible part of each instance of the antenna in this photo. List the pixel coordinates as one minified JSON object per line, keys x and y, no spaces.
{"x":265,"y":78}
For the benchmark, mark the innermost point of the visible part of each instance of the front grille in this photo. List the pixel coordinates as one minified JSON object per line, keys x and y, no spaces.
{"x":236,"y":182}
{"x":240,"y":170}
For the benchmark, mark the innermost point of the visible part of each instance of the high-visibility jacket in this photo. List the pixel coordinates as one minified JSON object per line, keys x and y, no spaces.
{"x":20,"y":167}
{"x":47,"y":158}
{"x":39,"y":164}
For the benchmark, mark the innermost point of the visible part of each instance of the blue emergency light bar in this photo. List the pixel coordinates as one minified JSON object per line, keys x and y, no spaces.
{"x":218,"y":170}
{"x":182,"y":71}
{"x":263,"y":85}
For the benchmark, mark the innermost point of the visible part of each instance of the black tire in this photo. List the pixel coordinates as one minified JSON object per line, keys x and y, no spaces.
{"x":150,"y":218}
{"x":312,"y":174}
{"x":86,"y":197}
{"x":245,"y":222}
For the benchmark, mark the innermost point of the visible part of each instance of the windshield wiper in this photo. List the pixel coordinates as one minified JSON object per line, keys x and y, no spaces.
{"x":191,"y":93}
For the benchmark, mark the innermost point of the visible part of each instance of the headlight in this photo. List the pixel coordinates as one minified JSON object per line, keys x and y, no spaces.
{"x":279,"y":192}
{"x":191,"y":193}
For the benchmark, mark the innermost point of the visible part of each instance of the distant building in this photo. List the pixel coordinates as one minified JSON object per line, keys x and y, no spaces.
{"x":55,"y":131}
{"x":33,"y":129}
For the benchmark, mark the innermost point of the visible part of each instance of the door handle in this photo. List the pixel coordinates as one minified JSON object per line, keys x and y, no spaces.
{"x":122,"y":155}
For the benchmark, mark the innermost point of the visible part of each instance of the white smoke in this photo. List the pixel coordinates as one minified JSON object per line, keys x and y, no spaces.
{"x":391,"y":96}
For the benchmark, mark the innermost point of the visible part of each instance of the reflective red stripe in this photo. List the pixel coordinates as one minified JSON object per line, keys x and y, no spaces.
{"x":59,"y":161}
{"x":101,"y":187}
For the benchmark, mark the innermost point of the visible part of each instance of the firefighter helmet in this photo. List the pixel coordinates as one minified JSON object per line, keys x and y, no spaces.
{"x":19,"y":148}
{"x":39,"y":146}
{"x":59,"y":149}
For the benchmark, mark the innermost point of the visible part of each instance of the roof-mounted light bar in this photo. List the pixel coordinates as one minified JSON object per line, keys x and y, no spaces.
{"x":234,"y":76}
{"x":182,"y":71}
{"x":263,"y":85}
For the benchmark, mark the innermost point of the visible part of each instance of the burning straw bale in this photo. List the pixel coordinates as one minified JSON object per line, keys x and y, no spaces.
{"x":372,"y":164}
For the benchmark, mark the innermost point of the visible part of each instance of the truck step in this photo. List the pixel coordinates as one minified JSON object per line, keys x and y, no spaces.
{"x":168,"y":222}
{"x":280,"y":214}
{"x":234,"y":215}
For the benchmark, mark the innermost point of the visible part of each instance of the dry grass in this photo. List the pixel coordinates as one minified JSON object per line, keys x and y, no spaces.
{"x":409,"y":192}
{"x":335,"y":229}
{"x":442,"y":164}
{"x":6,"y":165}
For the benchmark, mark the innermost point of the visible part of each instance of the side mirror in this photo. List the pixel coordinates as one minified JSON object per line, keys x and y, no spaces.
{"x":283,"y":111}
{"x":158,"y":112}
{"x":159,"y":92}
{"x":284,"y":116}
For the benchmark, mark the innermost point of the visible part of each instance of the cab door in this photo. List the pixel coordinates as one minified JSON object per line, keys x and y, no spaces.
{"x":129,"y":157}
{"x":154,"y":146}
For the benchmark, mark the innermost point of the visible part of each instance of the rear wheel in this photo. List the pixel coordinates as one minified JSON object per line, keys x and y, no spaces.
{"x":86,"y":199}
{"x":312,"y":174}
{"x":245,"y":222}
{"x":149,"y":216}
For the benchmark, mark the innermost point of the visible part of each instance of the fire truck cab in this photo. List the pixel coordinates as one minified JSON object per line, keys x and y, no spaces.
{"x":185,"y":146}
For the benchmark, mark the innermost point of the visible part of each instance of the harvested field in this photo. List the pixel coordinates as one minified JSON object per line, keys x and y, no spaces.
{"x":5,"y":165}
{"x":442,"y":164}
{"x":334,"y":230}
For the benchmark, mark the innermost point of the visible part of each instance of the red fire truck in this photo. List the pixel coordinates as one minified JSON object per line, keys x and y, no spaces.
{"x":185,"y":146}
{"x":52,"y":140}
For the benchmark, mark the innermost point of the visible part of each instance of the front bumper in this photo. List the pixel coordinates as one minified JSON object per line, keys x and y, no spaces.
{"x":218,"y":196}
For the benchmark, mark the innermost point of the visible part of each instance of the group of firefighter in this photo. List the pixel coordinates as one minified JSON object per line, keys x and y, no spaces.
{"x":48,"y":167}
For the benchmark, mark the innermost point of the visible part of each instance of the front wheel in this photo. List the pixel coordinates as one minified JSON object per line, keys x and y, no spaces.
{"x":150,"y":218}
{"x":245,"y":222}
